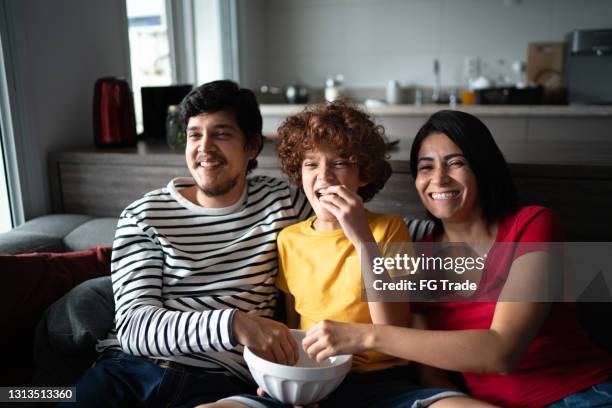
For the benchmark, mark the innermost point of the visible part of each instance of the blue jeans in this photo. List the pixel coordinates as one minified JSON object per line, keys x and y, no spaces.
{"x":123,"y":380}
{"x":599,"y":395}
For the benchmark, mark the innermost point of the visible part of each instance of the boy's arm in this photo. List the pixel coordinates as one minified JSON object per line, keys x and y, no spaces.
{"x":348,"y":209}
{"x":391,"y":313}
{"x":292,"y":317}
{"x":396,"y":240}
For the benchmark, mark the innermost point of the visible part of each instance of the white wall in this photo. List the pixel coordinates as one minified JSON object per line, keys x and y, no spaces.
{"x":57,"y":50}
{"x":252,"y":38}
{"x":372,"y":41}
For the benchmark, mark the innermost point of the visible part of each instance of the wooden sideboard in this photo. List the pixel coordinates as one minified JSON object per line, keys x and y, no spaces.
{"x":573,"y":178}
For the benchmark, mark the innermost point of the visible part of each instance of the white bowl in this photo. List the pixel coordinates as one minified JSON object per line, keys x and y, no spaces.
{"x":304,"y":383}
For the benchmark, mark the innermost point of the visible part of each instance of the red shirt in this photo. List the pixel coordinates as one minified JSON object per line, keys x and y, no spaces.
{"x":560,"y":361}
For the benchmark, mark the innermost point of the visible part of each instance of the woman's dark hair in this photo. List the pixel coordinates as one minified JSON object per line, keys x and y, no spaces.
{"x":497,"y":193}
{"x":226,"y":95}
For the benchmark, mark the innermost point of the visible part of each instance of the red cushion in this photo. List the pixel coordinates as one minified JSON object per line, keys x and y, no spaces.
{"x":31,"y":282}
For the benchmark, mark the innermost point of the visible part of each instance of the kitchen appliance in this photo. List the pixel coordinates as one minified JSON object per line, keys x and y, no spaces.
{"x":155,"y":102}
{"x":509,"y":95}
{"x":113,"y":113}
{"x":296,"y":94}
{"x":588,"y":65}
{"x":545,"y":64}
{"x":437,"y":96}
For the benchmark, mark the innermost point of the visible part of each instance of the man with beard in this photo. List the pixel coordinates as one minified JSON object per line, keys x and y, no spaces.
{"x":193,"y":268}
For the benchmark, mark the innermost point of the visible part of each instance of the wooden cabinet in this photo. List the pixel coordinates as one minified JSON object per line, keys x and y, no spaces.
{"x":106,"y":189}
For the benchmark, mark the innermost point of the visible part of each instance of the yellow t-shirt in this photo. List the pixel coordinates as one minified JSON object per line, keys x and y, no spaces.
{"x":321,"y":269}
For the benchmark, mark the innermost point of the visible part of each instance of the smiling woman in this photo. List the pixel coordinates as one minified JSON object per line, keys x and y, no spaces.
{"x":509,"y":353}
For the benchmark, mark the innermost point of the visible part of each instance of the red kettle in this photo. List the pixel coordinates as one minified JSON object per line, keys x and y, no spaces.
{"x":113,"y":113}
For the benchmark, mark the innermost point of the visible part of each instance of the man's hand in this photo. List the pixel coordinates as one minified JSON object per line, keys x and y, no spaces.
{"x":348,"y":209}
{"x":328,"y":338}
{"x":267,"y":338}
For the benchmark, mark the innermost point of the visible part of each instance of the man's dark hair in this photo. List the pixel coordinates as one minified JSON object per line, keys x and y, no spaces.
{"x":496,"y":190}
{"x":227,"y":96}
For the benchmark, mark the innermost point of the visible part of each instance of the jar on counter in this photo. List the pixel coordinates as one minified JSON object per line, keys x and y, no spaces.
{"x":175,"y":131}
{"x":334,"y":90}
{"x":393,"y":92}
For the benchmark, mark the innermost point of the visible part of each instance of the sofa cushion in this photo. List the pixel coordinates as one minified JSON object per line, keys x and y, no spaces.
{"x":44,"y":234}
{"x":418,"y":228}
{"x":99,"y":231}
{"x":16,"y":242}
{"x":36,"y":280}
{"x":58,"y":225}
{"x":66,"y":335}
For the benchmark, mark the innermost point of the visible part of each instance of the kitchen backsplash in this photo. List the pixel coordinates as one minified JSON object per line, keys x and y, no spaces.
{"x":373,"y":41}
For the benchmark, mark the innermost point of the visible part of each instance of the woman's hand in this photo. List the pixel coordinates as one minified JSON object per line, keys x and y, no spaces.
{"x":348,"y":209}
{"x":328,"y":338}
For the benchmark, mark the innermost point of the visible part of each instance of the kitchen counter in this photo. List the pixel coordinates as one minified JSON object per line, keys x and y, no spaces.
{"x":506,"y":122}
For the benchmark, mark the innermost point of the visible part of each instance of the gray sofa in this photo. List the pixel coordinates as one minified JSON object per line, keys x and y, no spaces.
{"x":43,"y":332}
{"x":65,"y":335}
{"x":59,"y":233}
{"x":61,"y":352}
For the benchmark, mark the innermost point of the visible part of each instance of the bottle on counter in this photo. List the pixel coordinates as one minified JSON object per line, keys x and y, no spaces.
{"x":418,"y":97}
{"x":393,"y":92}
{"x":333,"y":88}
{"x":175,"y":132}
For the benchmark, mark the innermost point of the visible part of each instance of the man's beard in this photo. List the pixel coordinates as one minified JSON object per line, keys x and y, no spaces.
{"x":219,"y":189}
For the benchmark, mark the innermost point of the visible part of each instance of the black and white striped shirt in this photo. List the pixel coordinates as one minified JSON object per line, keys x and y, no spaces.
{"x":180,"y":271}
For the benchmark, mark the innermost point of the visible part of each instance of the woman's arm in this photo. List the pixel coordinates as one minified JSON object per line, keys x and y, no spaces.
{"x":494,"y":350}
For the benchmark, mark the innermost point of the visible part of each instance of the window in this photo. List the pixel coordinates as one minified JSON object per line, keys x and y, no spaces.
{"x":180,"y":42}
{"x":6,"y":212}
{"x":5,"y":208}
{"x":149,"y":48}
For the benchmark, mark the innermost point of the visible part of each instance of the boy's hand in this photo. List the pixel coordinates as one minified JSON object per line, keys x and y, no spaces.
{"x":267,"y":338}
{"x":348,"y":209}
{"x":328,"y":338}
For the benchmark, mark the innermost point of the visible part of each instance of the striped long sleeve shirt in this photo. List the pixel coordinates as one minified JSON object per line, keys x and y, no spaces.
{"x":181,"y":271}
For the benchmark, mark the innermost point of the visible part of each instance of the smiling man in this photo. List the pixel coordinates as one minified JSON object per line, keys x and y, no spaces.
{"x":193,"y":268}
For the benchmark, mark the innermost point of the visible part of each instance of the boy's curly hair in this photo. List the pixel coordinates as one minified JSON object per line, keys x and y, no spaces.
{"x":344,"y":128}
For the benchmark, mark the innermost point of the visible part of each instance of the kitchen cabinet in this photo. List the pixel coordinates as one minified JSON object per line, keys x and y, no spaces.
{"x":507,"y":123}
